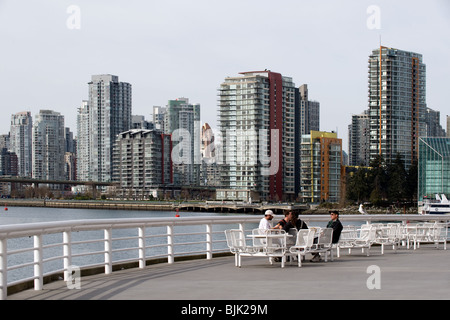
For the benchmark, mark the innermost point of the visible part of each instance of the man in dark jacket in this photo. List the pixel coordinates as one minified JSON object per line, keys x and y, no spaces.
{"x":337,"y":227}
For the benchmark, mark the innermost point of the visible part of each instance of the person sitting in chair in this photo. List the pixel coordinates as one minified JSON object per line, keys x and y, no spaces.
{"x":266,"y":222}
{"x":291,"y":220}
{"x":337,"y":227}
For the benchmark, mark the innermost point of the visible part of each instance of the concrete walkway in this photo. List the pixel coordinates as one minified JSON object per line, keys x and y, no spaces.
{"x":407,"y":274}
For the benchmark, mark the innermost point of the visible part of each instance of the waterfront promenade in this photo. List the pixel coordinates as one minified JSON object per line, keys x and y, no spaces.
{"x":420,"y":274}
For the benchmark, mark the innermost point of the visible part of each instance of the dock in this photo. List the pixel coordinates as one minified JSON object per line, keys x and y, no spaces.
{"x":239,"y":207}
{"x":421,"y":274}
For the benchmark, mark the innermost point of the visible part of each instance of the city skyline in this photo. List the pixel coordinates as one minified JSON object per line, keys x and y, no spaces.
{"x":178,"y":49}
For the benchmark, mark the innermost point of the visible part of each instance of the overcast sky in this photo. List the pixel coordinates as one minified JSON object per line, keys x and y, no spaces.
{"x":186,"y":48}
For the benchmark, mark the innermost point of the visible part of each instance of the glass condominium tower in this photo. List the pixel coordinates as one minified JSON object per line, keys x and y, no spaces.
{"x":397,"y":104}
{"x":257,"y":126}
{"x":48,"y":146}
{"x":21,"y":141}
{"x":182,"y":121}
{"x":106,"y":114}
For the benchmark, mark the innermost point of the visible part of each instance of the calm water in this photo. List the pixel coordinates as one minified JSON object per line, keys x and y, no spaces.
{"x":18,"y":215}
{"x":23,"y":215}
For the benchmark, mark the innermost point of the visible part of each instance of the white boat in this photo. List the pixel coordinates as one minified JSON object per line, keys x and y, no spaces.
{"x":439,"y":206}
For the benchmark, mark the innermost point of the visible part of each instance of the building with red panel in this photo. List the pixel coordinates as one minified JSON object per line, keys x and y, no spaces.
{"x":257,"y":126}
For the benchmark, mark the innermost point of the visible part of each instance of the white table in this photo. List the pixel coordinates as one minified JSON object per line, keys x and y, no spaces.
{"x":270,"y":249}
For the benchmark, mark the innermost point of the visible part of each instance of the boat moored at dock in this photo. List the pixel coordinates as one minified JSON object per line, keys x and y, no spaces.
{"x":441,"y":205}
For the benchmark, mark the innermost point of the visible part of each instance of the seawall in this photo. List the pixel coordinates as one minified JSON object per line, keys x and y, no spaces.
{"x":202,"y":206}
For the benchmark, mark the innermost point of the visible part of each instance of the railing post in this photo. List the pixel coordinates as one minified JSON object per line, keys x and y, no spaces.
{"x":108,"y":251}
{"x":170,"y":257}
{"x":67,"y":253}
{"x":141,"y":245}
{"x":38,"y":272}
{"x":209,"y":241}
{"x":3,"y":269}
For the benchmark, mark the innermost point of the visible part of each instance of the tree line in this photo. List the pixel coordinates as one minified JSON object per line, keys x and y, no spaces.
{"x":383,"y":183}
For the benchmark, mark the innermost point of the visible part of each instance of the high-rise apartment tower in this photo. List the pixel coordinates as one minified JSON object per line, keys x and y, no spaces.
{"x":106,"y":114}
{"x":257,"y":125}
{"x":397,"y":103}
{"x":49,"y":146}
{"x":21,"y":141}
{"x":358,"y":140}
{"x":182,"y":121}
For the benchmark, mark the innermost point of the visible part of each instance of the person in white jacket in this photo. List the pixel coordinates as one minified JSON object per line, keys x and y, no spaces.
{"x":266,"y":221}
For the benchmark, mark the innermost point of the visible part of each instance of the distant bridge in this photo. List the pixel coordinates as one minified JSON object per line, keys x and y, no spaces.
{"x":240,"y":207}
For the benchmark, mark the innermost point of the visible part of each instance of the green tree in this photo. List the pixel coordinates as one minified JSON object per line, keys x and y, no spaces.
{"x":396,"y":180}
{"x":383,"y":182}
{"x":412,"y":183}
{"x":377,"y":180}
{"x":357,"y":186}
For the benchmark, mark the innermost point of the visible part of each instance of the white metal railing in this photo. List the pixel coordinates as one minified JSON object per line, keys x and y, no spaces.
{"x":56,"y":246}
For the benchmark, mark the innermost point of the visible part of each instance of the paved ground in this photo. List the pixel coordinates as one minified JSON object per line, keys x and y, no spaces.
{"x":407,"y":274}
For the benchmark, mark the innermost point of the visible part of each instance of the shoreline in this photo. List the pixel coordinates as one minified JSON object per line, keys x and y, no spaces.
{"x":200,"y":206}
{"x":174,"y":206}
{"x":90,"y":204}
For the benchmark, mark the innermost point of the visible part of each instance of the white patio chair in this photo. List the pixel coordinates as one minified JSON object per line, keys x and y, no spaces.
{"x":237,"y":244}
{"x":440,"y":234}
{"x":419,"y":233}
{"x":348,"y":235}
{"x":366,"y":238}
{"x":427,"y":233}
{"x":292,"y":237}
{"x":324,"y":243}
{"x":272,"y":244}
{"x":257,"y":241}
{"x":276,"y":245}
{"x":388,"y":235}
{"x":303,"y":244}
{"x":411,"y":232}
{"x":402,"y":234}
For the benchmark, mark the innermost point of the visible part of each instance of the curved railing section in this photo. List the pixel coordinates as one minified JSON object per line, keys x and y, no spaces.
{"x":31,"y":252}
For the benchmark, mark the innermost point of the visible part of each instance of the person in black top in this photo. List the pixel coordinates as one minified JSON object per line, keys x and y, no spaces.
{"x":337,"y":227}
{"x":283,"y":222}
{"x":295,"y":222}
{"x":291,"y":220}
